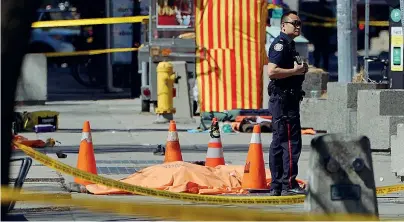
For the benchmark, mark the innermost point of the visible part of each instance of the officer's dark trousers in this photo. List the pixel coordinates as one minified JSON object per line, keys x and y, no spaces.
{"x":286,"y":143}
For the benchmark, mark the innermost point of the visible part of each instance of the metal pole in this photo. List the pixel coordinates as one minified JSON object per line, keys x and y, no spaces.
{"x":354,"y":36}
{"x":366,"y":64}
{"x":344,"y":27}
{"x":152,"y":81}
{"x":110,"y":85}
{"x":402,"y":13}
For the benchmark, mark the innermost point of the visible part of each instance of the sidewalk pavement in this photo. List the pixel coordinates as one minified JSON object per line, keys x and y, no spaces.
{"x":123,"y":139}
{"x":121,"y":165}
{"x":119,"y":124}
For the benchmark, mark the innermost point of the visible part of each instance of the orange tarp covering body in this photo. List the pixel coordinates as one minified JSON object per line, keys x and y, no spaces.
{"x":230,"y":35}
{"x":184,"y":177}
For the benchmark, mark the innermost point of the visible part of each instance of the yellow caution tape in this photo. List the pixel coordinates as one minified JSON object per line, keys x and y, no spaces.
{"x":329,"y":21}
{"x":64,"y":168}
{"x":93,"y":21}
{"x":274,"y":6}
{"x":320,"y":24}
{"x":266,"y":200}
{"x":89,"y":52}
{"x":334,"y":24}
{"x":171,"y":211}
{"x":389,"y":189}
{"x":376,"y":23}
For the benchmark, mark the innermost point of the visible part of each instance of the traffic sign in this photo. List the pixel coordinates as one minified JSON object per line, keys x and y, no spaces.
{"x":395,"y":15}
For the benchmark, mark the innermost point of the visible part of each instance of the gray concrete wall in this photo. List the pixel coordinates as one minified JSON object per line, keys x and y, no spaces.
{"x":315,"y":81}
{"x":342,"y":105}
{"x":32,"y":87}
{"x":379,"y":112}
{"x":337,"y":100}
{"x":313,"y":113}
{"x":357,"y":109}
{"x":397,"y":151}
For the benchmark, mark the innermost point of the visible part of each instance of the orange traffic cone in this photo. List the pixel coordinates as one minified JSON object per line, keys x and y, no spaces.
{"x":173,"y":150}
{"x":254,"y":170}
{"x":214,"y":155}
{"x":86,"y":160}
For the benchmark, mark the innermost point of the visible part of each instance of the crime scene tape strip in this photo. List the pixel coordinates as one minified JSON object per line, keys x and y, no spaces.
{"x":90,"y":52}
{"x":334,"y":24}
{"x":329,"y":21}
{"x":266,"y":200}
{"x":389,"y":189}
{"x":64,"y":168}
{"x":171,"y":211}
{"x":93,"y":21}
{"x":376,"y":23}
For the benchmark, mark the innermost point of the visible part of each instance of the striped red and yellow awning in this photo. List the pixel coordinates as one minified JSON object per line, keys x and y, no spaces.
{"x":230,"y":35}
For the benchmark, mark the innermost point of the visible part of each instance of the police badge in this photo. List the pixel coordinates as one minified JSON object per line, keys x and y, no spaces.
{"x":278,"y":47}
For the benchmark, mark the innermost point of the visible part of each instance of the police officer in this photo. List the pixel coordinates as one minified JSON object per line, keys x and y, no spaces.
{"x":286,"y":72}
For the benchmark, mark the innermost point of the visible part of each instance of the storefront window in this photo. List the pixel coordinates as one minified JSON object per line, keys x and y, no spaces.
{"x":175,"y":14}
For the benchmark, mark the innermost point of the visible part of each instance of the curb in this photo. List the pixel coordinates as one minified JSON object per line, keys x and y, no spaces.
{"x":146,"y":148}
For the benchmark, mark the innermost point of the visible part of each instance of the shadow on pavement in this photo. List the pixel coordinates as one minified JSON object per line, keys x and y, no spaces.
{"x":63,"y":87}
{"x":16,"y":217}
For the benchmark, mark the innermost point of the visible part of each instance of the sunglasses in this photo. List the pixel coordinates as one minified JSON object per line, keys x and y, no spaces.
{"x":295,"y":23}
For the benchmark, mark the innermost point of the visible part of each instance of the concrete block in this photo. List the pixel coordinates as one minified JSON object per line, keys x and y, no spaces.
{"x":32,"y":86}
{"x":379,"y":129}
{"x":314,"y":113}
{"x":392,"y":102}
{"x":352,"y":126}
{"x":315,"y":81}
{"x":394,"y":150}
{"x":397,"y":151}
{"x":384,"y":102}
{"x":379,"y":112}
{"x":342,"y":105}
{"x":341,"y":176}
{"x":183,"y":100}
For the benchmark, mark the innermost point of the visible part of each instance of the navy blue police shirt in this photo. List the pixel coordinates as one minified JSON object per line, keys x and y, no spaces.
{"x":282,"y":52}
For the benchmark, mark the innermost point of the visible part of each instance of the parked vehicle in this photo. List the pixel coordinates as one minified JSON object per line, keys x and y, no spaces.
{"x":45,"y":40}
{"x":64,"y":39}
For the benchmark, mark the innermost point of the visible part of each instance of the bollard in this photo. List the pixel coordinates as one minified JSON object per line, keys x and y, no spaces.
{"x":397,"y":153}
{"x":32,"y":86}
{"x":165,"y":85}
{"x":182,"y":102}
{"x":340,"y":176}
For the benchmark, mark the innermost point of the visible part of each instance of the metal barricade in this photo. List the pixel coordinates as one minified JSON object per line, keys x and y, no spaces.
{"x":26,"y":164}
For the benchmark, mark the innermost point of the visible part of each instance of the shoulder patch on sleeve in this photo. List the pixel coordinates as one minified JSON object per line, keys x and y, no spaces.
{"x":278,"y":47}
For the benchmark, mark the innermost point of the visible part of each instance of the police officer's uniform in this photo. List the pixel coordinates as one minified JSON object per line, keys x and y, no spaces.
{"x":285,"y":96}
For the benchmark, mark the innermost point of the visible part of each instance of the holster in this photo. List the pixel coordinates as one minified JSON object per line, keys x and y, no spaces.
{"x":286,"y":96}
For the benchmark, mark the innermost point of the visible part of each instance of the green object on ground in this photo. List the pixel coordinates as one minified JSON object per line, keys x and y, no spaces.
{"x":206,"y":117}
{"x":227,"y":128}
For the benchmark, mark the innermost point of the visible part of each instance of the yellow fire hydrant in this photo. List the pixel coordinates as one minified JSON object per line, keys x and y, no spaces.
{"x":165,"y":85}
